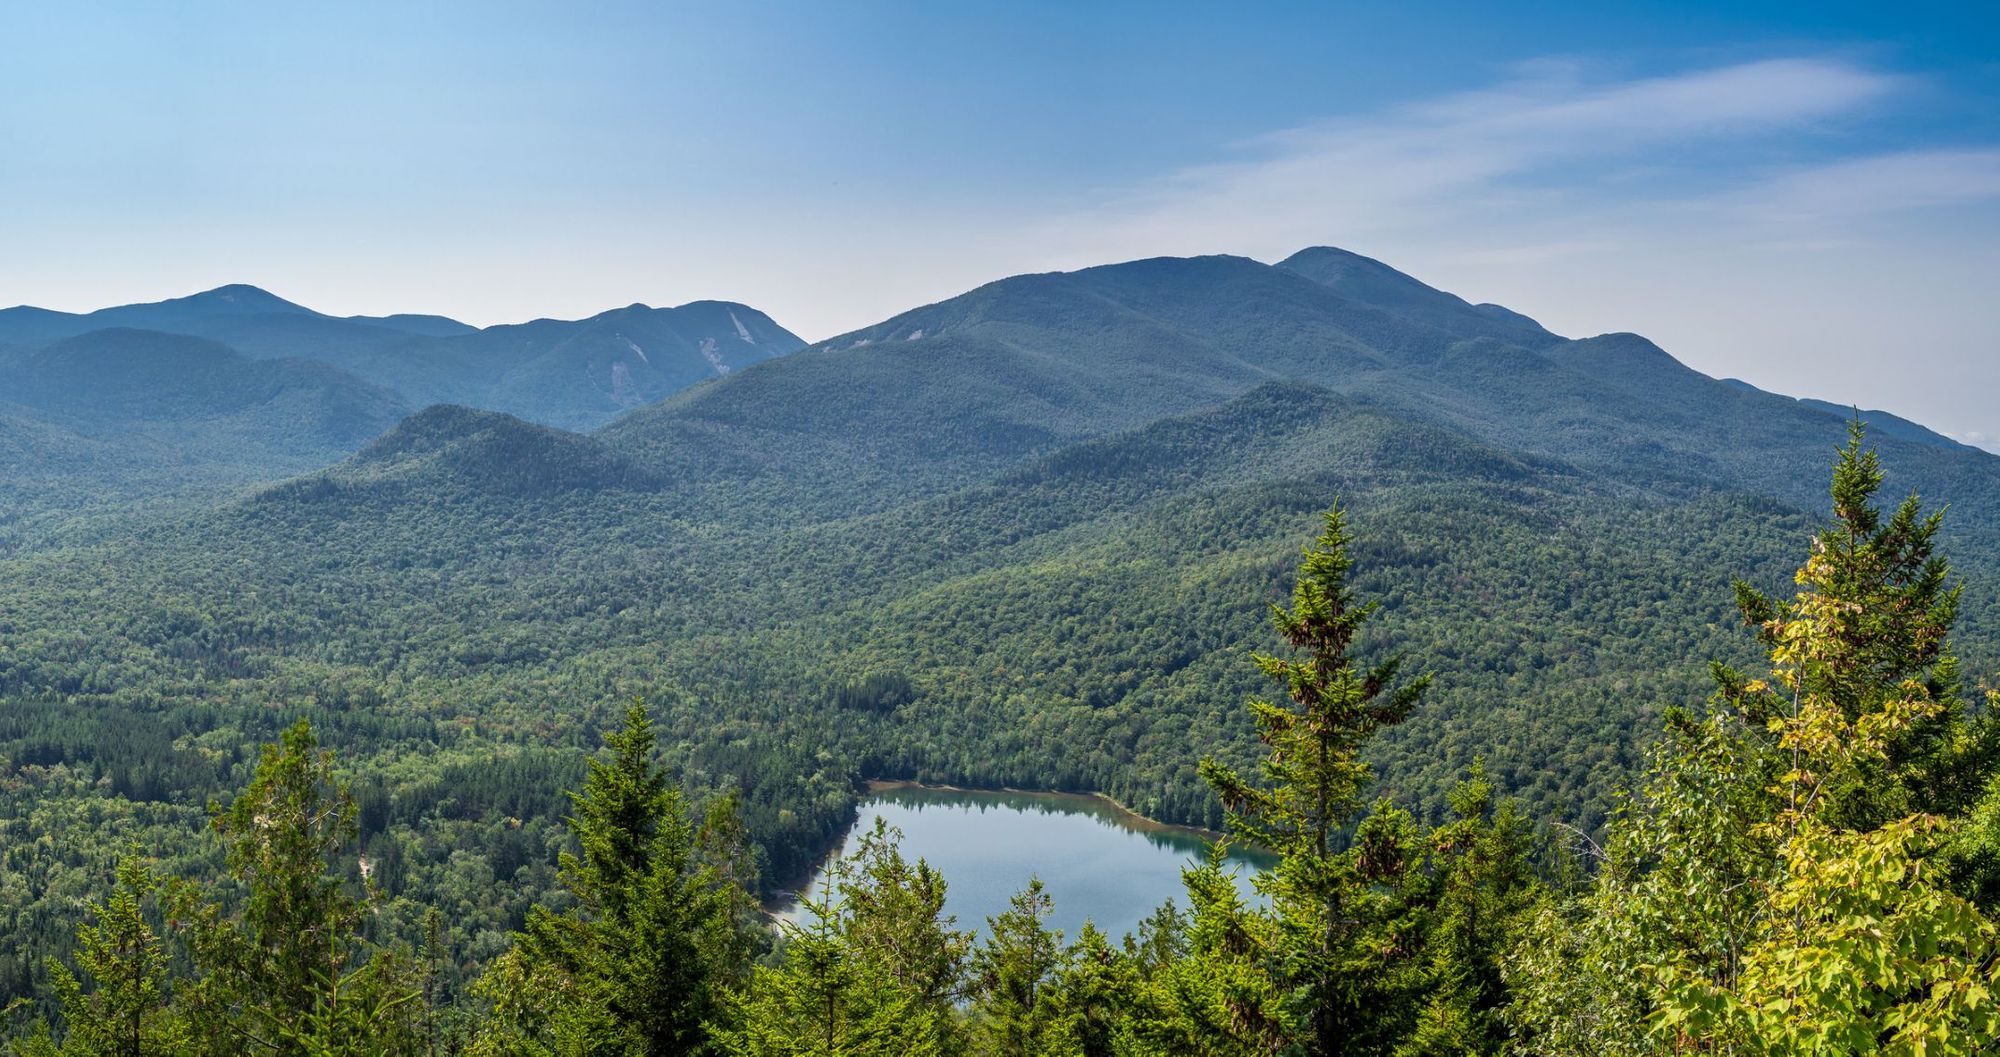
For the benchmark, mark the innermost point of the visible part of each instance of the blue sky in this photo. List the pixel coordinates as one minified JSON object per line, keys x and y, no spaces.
{"x":1806,"y":196}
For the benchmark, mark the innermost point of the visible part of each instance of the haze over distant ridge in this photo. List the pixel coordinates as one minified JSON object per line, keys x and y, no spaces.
{"x":1792,"y":196}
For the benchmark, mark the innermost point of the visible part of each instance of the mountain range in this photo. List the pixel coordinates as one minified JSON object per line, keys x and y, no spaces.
{"x":234,"y":386}
{"x":1049,"y":514}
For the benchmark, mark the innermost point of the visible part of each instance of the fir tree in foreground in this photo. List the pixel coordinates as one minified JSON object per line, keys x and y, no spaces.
{"x":641,"y":962}
{"x":1381,"y":937}
{"x":288,"y":973}
{"x":128,"y":1013}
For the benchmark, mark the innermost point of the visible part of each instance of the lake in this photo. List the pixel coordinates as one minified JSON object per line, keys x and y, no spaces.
{"x":1096,"y":860}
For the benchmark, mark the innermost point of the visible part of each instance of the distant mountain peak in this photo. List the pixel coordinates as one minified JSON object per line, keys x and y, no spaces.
{"x":1369,"y":281}
{"x":232,"y":291}
{"x":240,"y":297}
{"x":1348,"y":270}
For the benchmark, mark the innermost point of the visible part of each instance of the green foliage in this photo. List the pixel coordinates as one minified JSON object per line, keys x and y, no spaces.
{"x":1091,"y":998}
{"x":823,"y":997}
{"x":1214,"y":998}
{"x":893,"y":924}
{"x":287,"y":972}
{"x":1884,"y":619}
{"x":1757,"y":899}
{"x":1483,"y":891}
{"x":1012,"y":1013}
{"x":640,"y":961}
{"x":128,"y":1013}
{"x":1679,"y":879}
{"x":1312,"y":767}
{"x":1039,"y":566}
{"x":280,"y":968}
{"x":1341,"y":920}
{"x":1857,"y":943}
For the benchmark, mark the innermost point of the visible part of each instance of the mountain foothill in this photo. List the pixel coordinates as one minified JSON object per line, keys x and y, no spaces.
{"x":1027,"y":537}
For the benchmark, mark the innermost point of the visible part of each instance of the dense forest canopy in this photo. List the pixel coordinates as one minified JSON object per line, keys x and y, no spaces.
{"x":1807,"y":867}
{"x":1026,"y":537}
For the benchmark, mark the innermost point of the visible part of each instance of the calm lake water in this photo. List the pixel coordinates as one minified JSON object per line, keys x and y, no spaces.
{"x":1097,"y":862}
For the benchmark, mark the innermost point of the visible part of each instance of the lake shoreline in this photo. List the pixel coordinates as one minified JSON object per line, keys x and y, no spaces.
{"x":789,"y":897}
{"x":1142,"y":823}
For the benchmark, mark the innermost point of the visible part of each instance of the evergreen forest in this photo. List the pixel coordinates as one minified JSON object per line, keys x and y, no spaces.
{"x":1588,"y":720}
{"x":1807,"y":863}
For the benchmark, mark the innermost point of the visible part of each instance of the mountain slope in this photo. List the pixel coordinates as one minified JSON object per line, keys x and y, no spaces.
{"x":1081,"y":620}
{"x":939,"y":395}
{"x":943,"y":394}
{"x":1053,"y":511}
{"x":109,"y":380}
{"x":443,"y":452}
{"x":575,"y":374}
{"x":579,"y":374}
{"x":99,"y":420}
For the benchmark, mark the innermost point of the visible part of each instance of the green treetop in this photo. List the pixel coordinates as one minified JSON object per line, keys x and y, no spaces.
{"x":639,"y":964}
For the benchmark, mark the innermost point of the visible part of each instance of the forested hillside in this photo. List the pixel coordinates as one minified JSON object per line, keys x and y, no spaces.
{"x":1025,"y":537}
{"x":1808,"y":866}
{"x":182,"y":402}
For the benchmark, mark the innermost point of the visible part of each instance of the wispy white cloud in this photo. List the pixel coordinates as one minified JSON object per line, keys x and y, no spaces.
{"x":1851,"y":188}
{"x":1462,"y":157}
{"x":1754,"y":218}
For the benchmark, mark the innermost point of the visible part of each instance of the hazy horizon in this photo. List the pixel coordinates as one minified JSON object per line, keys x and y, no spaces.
{"x":1808,"y":201}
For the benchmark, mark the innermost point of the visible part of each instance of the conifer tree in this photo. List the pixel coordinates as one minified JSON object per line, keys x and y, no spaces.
{"x":288,"y":971}
{"x":638,"y":965}
{"x":1483,"y":891}
{"x":1886,"y":619}
{"x":1161,"y":937}
{"x":1342,"y":919}
{"x":822,"y":999}
{"x":1859,"y":943}
{"x":894,"y":923}
{"x":1208,"y":992}
{"x":1091,"y":998}
{"x":1014,"y":966}
{"x":128,"y":1012}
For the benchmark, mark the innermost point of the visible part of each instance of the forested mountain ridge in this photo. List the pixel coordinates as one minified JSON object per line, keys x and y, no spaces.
{"x":577,"y":374}
{"x":25,"y":324}
{"x":114,"y":378}
{"x":1808,"y":866}
{"x":98,"y":421}
{"x":178,"y":403}
{"x":1024,"y":536}
{"x":569,"y":373}
{"x":955,"y":389}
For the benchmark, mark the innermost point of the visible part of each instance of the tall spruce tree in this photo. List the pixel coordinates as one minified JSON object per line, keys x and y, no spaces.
{"x":1887,"y":613}
{"x":637,"y":967}
{"x":1340,"y":952}
{"x":1012,"y":1013}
